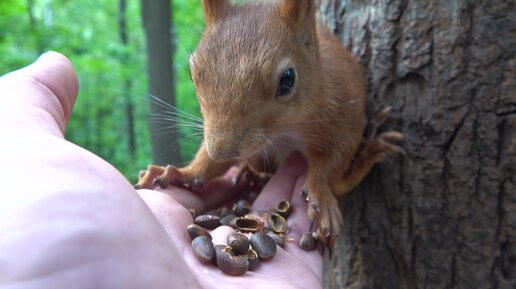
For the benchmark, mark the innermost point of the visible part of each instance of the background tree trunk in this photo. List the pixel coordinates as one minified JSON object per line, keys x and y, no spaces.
{"x":157,"y":22}
{"x":128,"y":99}
{"x":443,"y":215}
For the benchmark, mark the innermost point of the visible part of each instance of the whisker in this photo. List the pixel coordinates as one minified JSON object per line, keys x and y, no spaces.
{"x":172,"y":109}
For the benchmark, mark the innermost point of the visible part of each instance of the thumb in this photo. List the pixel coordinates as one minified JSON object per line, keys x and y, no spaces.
{"x":39,"y":96}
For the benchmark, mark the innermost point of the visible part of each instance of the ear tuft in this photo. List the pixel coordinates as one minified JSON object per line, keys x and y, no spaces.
{"x":296,"y":11}
{"x":214,"y":10}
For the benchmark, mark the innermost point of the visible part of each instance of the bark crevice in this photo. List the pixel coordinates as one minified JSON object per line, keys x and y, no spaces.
{"x":438,"y":217}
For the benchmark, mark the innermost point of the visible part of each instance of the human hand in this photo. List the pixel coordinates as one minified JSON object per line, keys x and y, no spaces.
{"x":68,"y":219}
{"x":290,"y":268}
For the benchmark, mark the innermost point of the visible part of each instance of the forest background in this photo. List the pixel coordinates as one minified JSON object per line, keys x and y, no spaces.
{"x":105,"y":40}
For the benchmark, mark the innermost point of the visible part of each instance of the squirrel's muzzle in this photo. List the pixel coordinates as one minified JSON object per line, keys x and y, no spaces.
{"x":223,"y":146}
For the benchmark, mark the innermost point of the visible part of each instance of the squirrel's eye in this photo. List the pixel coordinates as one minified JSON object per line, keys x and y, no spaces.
{"x":288,"y":78}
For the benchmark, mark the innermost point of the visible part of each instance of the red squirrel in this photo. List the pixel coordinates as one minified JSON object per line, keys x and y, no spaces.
{"x":270,"y":79}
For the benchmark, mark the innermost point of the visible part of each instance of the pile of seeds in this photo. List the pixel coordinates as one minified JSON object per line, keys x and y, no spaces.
{"x":241,"y":253}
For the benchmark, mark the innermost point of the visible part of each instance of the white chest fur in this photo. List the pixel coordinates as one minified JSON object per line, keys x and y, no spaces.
{"x":283,"y":145}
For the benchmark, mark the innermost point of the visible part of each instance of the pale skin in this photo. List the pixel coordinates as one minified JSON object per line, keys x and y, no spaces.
{"x":68,"y":219}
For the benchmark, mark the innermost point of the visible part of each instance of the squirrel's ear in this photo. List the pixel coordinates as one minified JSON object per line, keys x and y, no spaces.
{"x":297,"y":11}
{"x":214,"y":9}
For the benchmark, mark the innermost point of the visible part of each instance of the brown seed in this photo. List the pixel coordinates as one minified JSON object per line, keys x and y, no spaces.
{"x":213,"y":212}
{"x":277,"y":223}
{"x":239,"y":243}
{"x":253,"y":260}
{"x":280,"y":241}
{"x":203,"y":249}
{"x":195,"y":231}
{"x":308,"y":242}
{"x":284,"y":208}
{"x":218,"y":250}
{"x":226,"y":221}
{"x":231,"y":264}
{"x":247,"y":224}
{"x":225,"y":211}
{"x":208,"y":221}
{"x":241,"y":208}
{"x":264,"y":245}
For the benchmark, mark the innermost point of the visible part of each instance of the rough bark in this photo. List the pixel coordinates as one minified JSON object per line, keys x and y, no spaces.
{"x":443,"y":215}
{"x":157,"y":22}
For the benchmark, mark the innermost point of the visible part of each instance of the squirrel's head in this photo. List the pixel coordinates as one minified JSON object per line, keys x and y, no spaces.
{"x":255,"y":71}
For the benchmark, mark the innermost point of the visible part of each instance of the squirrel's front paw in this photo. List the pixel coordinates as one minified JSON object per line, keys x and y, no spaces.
{"x":323,"y":208}
{"x":160,"y":176}
{"x":380,"y":144}
{"x":261,"y":178}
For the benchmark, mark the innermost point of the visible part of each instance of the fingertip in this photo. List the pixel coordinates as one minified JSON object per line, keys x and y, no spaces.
{"x":281,"y":185}
{"x":56,"y":71}
{"x":298,"y":223}
{"x":40,"y":95}
{"x":220,"y":235}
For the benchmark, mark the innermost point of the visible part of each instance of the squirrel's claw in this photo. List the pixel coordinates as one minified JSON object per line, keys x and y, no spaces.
{"x":159,"y":182}
{"x":158,"y":176}
{"x":323,"y":216}
{"x":304,"y":195}
{"x":250,"y":175}
{"x":146,"y":178}
{"x":196,"y":184}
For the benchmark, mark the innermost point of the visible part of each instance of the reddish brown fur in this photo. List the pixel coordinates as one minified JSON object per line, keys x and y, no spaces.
{"x":236,"y":71}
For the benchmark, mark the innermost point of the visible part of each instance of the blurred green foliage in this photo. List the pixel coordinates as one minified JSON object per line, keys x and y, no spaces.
{"x":87,"y":31}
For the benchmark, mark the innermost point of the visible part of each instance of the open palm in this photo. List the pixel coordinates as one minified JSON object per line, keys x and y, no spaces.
{"x":68,"y":219}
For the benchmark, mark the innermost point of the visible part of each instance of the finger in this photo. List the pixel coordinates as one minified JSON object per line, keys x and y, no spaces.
{"x":40,"y":95}
{"x":281,"y":186}
{"x":184,"y":197}
{"x":220,"y":190}
{"x":298,"y":225}
{"x":220,"y":235}
{"x":214,"y":194}
{"x":172,"y":215}
{"x":288,"y":266}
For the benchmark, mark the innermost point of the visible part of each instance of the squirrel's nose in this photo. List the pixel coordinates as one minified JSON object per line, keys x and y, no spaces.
{"x":222,"y":148}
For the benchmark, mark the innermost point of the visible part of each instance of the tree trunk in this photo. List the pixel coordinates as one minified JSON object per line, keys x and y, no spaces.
{"x":128,"y":104}
{"x":444,"y":214}
{"x":157,"y":22}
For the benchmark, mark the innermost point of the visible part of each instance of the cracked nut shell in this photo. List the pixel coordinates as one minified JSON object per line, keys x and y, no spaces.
{"x":203,"y":249}
{"x":277,"y":223}
{"x":264,"y":245}
{"x":284,"y":208}
{"x":218,"y":251}
{"x":247,"y":224}
{"x":253,"y":260}
{"x":238,"y":242}
{"x":231,"y":264}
